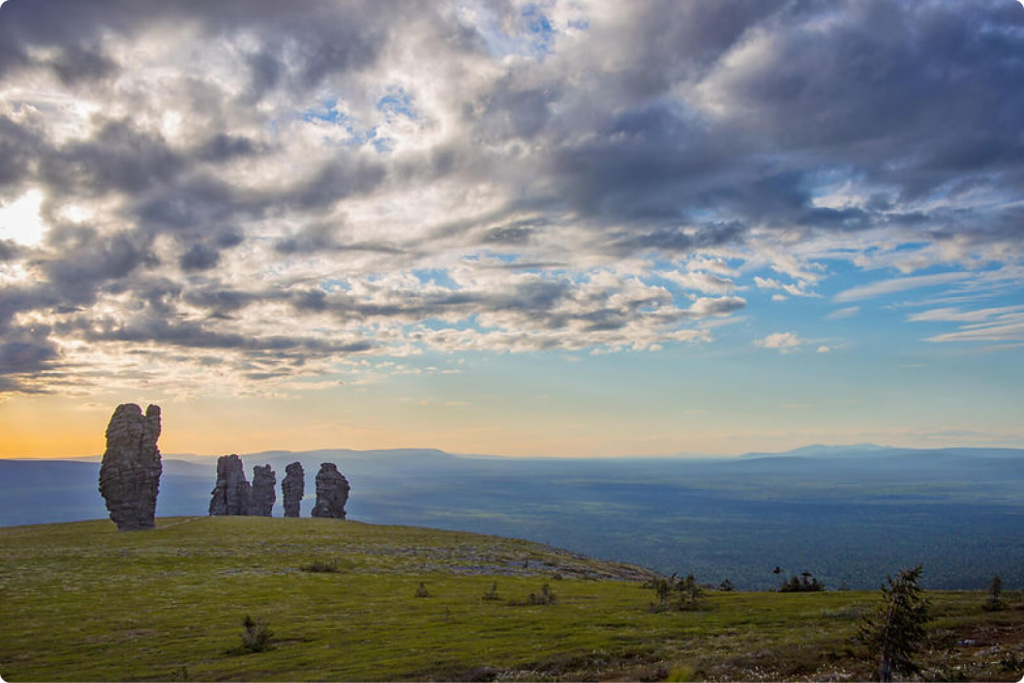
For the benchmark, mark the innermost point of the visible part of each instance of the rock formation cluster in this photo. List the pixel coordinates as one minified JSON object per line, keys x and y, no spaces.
{"x":263,"y":496}
{"x":232,"y":494}
{"x":331,"y":492}
{"x":131,"y":467}
{"x":292,"y":487}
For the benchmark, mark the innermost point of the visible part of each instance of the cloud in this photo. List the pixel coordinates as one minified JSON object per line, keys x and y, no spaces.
{"x":784,"y":342}
{"x":957,"y":315}
{"x":798,"y":289}
{"x":902,"y":284}
{"x":843,"y":313}
{"x":1005,"y":327}
{"x":296,"y":187}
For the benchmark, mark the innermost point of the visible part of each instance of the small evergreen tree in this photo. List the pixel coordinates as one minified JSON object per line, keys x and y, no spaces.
{"x":995,"y":589}
{"x":689,"y":593}
{"x":546,"y":597}
{"x":493,"y":593}
{"x":895,"y":628}
{"x":806,"y":584}
{"x":256,"y":636}
{"x":662,"y":587}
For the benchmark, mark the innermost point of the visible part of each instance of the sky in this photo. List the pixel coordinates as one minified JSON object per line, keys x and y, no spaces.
{"x":559,"y":228}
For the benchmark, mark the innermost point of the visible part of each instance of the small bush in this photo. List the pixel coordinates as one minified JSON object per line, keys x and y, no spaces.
{"x":493,"y":593}
{"x":546,"y":596}
{"x":319,"y":567}
{"x":809,"y":584}
{"x":995,"y":591}
{"x":689,"y":590}
{"x":257,"y":636}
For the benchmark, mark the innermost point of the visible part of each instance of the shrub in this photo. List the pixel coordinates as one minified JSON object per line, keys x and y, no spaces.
{"x":546,"y":597}
{"x":320,"y":567}
{"x":995,"y":590}
{"x":808,"y":584}
{"x":690,"y":593}
{"x":257,"y":636}
{"x":493,"y":593}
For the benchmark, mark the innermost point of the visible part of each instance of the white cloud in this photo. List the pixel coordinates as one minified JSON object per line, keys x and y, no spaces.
{"x":843,"y":313}
{"x":20,"y":219}
{"x":902,"y":284}
{"x":1006,"y":328}
{"x":958,"y":316}
{"x":797,"y":289}
{"x":784,"y":342}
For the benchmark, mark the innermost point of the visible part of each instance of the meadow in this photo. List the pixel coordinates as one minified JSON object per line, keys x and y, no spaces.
{"x":84,"y":602}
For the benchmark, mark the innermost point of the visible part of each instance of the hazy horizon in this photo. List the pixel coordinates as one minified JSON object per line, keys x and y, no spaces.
{"x":562,"y":228}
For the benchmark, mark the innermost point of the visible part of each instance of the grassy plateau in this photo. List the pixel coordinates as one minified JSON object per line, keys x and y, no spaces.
{"x":81,"y":601}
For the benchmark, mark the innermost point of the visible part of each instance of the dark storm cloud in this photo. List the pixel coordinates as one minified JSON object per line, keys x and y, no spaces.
{"x":671,"y":41}
{"x":9,"y":250}
{"x":119,"y":158}
{"x":95,"y":262}
{"x":223,"y":147}
{"x":346,"y":176}
{"x":25,"y":352}
{"x":17,"y":144}
{"x":221,"y":300}
{"x":675,"y":240}
{"x":199,"y":257}
{"x":327,"y":237}
{"x":917,"y":96}
{"x":76,"y":64}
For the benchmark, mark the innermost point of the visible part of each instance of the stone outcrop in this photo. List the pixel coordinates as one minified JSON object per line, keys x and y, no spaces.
{"x":331,"y":492}
{"x":292,"y":487}
{"x":131,"y":468}
{"x":263,"y":496}
{"x":232,"y":494}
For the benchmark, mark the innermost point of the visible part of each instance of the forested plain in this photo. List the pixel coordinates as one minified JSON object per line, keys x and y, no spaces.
{"x":849,"y":516}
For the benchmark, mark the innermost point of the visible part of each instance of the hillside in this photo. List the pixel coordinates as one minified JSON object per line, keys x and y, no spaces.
{"x":84,"y":602}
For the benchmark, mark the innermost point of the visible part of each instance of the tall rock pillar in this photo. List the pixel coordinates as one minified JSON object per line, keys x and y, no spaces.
{"x":131,"y":467}
{"x":232,"y":494}
{"x":263,"y":496}
{"x":292,"y":487}
{"x":331,"y":492}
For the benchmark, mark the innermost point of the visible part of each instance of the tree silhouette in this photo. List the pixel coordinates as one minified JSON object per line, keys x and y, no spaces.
{"x":896,"y":626}
{"x":995,"y":589}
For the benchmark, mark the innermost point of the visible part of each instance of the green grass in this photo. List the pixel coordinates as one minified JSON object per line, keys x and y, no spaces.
{"x":84,"y":602}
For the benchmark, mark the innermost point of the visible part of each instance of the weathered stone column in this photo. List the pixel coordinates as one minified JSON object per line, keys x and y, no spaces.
{"x":232,"y":494}
{"x":131,"y":467}
{"x":263,"y":496}
{"x":331,"y":492}
{"x":292,"y":487}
